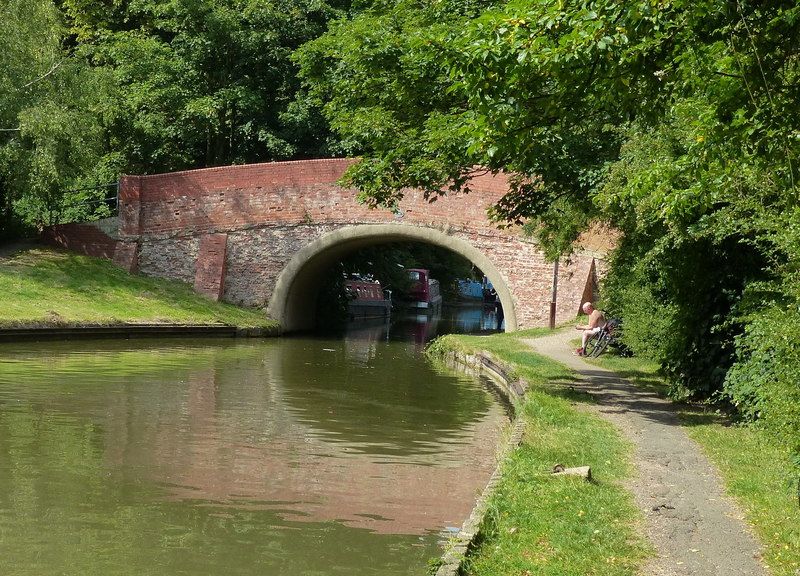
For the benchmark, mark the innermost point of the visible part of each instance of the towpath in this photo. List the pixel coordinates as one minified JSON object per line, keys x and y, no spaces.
{"x":695,"y":528}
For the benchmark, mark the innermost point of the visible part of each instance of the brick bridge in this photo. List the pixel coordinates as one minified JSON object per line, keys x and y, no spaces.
{"x":264,"y":235}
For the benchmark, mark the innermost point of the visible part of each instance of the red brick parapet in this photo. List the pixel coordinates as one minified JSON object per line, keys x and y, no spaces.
{"x":83,"y":238}
{"x":239,"y":197}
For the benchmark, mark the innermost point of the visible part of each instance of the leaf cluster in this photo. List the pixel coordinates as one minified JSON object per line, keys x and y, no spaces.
{"x":673,"y":121}
{"x":89,"y":90}
{"x":51,"y":118}
{"x":204,"y":82}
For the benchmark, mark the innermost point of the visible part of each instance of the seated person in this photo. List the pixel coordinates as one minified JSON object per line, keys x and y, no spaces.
{"x":596,"y":322}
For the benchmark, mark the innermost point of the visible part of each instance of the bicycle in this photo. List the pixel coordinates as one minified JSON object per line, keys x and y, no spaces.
{"x":606,"y":336}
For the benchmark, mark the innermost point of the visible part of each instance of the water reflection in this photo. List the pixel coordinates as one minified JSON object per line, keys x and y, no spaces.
{"x":472,"y":318}
{"x":291,"y":456}
{"x":407,"y":325}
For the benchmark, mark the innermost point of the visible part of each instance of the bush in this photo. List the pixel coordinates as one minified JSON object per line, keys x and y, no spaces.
{"x":676,"y":296}
{"x":764,"y":384}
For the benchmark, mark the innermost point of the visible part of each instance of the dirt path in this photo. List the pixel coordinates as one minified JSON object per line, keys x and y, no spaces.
{"x":694,"y":527}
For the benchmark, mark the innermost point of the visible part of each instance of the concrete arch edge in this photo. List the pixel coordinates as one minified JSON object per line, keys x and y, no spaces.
{"x":294,"y":287}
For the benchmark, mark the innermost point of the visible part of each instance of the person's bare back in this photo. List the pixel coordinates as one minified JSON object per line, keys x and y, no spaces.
{"x":596,"y":322}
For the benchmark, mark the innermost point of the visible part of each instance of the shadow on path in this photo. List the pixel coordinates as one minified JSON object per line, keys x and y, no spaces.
{"x":695,"y":528}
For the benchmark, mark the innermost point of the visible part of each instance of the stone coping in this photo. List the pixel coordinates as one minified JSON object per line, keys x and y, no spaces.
{"x":513,"y":389}
{"x":102,"y":331}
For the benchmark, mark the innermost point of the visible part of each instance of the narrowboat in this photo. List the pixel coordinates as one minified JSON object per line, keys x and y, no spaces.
{"x":424,"y":290}
{"x":367,"y":300}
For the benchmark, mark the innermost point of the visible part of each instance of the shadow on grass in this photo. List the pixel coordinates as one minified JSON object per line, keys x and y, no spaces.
{"x":646,"y":377}
{"x":571,"y":393}
{"x":651,"y":382}
{"x":693,"y":416}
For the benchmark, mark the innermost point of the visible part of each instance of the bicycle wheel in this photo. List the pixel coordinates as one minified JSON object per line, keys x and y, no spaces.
{"x":602,"y":342}
{"x":592,"y":344}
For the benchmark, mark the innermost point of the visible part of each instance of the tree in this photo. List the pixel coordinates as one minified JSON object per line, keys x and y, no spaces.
{"x":92,"y":89}
{"x":204,"y":82}
{"x":673,"y":121}
{"x":51,"y":118}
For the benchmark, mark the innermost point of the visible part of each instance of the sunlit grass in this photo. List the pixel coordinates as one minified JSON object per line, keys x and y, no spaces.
{"x":43,"y":287}
{"x":755,"y":469}
{"x":545,"y":525}
{"x":757,"y":474}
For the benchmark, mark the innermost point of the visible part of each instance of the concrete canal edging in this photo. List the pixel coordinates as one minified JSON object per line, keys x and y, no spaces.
{"x":123,"y":331}
{"x":513,"y":390}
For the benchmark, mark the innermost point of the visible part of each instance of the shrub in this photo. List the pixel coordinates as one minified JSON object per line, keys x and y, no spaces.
{"x":764,"y":384}
{"x":676,"y":296}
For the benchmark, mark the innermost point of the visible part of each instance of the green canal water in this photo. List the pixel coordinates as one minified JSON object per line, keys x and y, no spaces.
{"x":223,"y":457}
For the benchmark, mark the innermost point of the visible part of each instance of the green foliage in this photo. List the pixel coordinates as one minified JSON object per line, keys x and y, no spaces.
{"x":206,"y":82}
{"x":51,"y":115}
{"x":678,"y":298}
{"x":381,"y":81}
{"x":674,"y":122}
{"x":89,"y":90}
{"x":765,"y":384}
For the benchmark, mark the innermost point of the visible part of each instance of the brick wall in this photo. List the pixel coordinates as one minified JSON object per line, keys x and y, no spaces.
{"x":210,"y":268}
{"x":82,"y":238}
{"x":268,"y":212}
{"x":240,"y":197}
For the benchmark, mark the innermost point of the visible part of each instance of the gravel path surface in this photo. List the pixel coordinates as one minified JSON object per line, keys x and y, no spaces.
{"x":695,"y":528}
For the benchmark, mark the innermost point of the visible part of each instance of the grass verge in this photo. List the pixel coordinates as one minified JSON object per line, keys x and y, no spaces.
{"x":545,"y":525}
{"x":756,"y":470}
{"x":44,"y":287}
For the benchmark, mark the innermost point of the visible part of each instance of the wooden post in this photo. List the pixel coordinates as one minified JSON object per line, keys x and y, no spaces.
{"x":554,"y":298}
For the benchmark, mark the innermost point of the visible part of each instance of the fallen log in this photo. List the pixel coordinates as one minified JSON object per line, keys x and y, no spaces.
{"x":584,"y":472}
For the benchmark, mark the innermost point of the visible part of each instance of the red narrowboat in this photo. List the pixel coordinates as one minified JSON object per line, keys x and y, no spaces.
{"x":424,"y":290}
{"x":367,"y":299}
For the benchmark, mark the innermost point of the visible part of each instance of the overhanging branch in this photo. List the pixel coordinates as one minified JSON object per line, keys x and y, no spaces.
{"x":45,"y":75}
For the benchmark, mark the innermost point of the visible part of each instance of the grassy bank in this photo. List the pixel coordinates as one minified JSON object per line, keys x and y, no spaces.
{"x":756,"y":470}
{"x":545,"y":525}
{"x":43,"y":287}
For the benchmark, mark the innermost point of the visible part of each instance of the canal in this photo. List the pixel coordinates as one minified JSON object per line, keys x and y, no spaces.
{"x":280,"y":456}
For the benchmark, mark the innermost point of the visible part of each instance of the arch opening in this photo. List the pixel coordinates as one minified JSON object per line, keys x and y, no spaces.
{"x":294,"y":298}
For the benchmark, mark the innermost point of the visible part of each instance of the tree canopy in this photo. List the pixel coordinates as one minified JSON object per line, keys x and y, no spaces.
{"x":92,"y":89}
{"x":51,"y":116}
{"x":674,"y":121}
{"x":204,"y":82}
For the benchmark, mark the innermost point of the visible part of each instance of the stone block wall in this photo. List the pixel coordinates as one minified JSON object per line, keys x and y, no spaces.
{"x":256,"y":256}
{"x":173,"y":258}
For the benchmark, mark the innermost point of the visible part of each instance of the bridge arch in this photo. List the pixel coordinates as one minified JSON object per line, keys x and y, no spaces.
{"x":263,"y":234}
{"x":293,"y":299}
